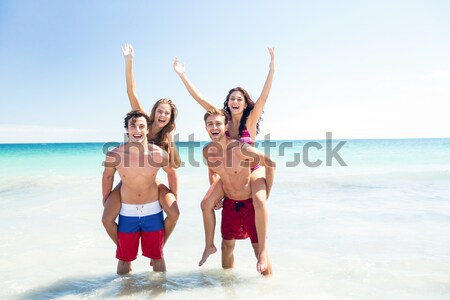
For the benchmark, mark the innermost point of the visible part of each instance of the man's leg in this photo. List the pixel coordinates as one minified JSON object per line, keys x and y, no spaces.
{"x":127,"y":243}
{"x":111,"y":211}
{"x":227,"y":253}
{"x":159,"y":265}
{"x":214,"y":194}
{"x":123,"y":267}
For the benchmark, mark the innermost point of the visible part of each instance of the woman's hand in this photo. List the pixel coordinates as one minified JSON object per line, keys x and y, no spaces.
{"x":180,"y":69}
{"x":272,"y":58}
{"x":127,"y":51}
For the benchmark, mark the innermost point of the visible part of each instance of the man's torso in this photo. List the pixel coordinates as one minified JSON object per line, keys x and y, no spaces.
{"x":232,"y":169}
{"x":138,"y":172}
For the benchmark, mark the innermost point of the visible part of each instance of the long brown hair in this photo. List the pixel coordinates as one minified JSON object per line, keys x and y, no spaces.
{"x":161,"y":138}
{"x":247,"y":110}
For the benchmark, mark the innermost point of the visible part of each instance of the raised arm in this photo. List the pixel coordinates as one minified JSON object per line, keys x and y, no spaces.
{"x":108,"y":177}
{"x":261,"y":101}
{"x":180,"y":69}
{"x":253,"y":154}
{"x":128,"y":53}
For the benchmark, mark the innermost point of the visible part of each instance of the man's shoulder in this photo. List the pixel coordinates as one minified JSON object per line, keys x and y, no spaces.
{"x":207,"y":146}
{"x":113,"y":157}
{"x":117,"y":149}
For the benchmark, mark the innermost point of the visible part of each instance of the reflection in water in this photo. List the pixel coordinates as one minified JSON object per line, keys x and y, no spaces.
{"x":69,"y":286}
{"x":145,"y":284}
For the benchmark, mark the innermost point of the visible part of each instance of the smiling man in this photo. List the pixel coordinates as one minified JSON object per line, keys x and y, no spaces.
{"x":141,"y":216}
{"x":241,"y":216}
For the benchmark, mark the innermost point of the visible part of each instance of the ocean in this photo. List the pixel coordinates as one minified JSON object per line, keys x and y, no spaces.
{"x":364,"y":219}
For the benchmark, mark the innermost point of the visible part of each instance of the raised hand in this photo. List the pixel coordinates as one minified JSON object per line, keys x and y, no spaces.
{"x":272,"y":57}
{"x":127,"y":51}
{"x":180,"y":69}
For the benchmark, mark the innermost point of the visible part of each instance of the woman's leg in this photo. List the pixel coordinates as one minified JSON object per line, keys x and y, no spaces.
{"x":214,"y":194}
{"x":268,"y":270}
{"x":111,"y":211}
{"x":259,"y":196}
{"x":169,"y":205}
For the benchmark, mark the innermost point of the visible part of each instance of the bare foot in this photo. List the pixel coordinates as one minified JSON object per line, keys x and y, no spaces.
{"x":123,"y":267}
{"x":159,"y":265}
{"x":208,"y":251}
{"x":262,"y":264}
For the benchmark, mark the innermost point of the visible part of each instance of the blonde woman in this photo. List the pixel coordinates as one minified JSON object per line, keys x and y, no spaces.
{"x":161,"y":132}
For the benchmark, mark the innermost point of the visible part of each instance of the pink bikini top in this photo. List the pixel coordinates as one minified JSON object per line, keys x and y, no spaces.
{"x":245,"y":136}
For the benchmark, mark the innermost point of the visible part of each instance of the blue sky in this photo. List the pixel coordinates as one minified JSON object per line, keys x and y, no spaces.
{"x":360,"y":69}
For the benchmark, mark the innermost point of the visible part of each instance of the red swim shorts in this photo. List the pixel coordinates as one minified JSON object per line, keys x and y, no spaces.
{"x":142,"y":223}
{"x":238,"y":220}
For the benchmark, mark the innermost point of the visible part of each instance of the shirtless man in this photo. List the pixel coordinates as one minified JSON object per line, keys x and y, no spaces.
{"x":141,"y":216}
{"x":241,"y":217}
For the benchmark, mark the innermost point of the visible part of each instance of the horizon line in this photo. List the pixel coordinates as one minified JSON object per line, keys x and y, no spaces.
{"x":205,"y":141}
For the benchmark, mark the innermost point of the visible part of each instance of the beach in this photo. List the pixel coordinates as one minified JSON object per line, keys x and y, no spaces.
{"x":377,"y":228}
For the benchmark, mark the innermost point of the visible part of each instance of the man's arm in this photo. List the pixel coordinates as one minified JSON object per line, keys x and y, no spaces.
{"x":254,"y":155}
{"x":128,"y":53}
{"x":213,"y":176}
{"x":108,"y":177}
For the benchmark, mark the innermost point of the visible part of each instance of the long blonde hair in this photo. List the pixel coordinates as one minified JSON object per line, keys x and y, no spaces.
{"x":161,"y":138}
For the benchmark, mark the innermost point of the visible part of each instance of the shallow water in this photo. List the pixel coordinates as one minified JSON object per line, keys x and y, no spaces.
{"x":376,"y":229}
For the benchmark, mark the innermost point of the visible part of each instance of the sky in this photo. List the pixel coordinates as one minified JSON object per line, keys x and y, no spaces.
{"x":358,"y":69}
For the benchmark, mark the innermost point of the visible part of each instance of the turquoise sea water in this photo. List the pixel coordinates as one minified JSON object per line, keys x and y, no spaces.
{"x":378,"y":228}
